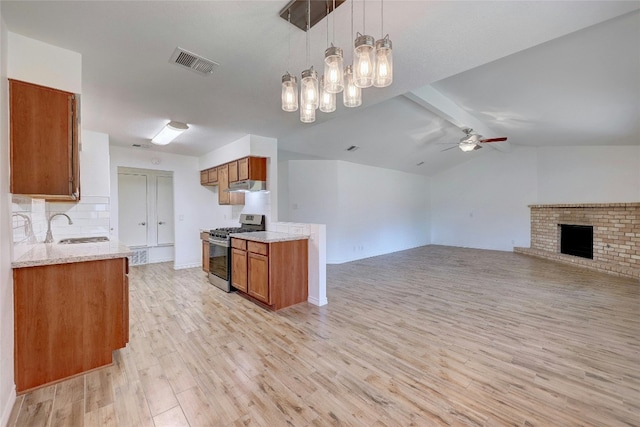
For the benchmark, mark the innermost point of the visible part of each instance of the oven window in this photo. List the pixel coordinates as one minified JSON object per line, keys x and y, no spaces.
{"x":219,"y":261}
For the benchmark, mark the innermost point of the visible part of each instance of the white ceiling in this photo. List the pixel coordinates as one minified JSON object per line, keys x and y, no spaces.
{"x":541,"y":73}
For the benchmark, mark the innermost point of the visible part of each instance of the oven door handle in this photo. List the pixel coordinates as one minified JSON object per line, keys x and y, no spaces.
{"x":224,"y":244}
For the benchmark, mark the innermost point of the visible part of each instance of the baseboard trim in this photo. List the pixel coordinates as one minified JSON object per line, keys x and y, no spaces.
{"x":8,"y":407}
{"x":318,"y":302}
{"x":184,"y":266}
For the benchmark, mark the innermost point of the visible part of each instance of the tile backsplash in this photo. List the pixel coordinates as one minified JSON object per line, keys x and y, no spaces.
{"x":91,"y":216}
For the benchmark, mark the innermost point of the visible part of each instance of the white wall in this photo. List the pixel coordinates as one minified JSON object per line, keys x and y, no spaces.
{"x":484,"y":203}
{"x":192,"y":202}
{"x":7,"y":387}
{"x":368,"y":211}
{"x":94,"y":164}
{"x":588,"y":174}
{"x":36,"y":62}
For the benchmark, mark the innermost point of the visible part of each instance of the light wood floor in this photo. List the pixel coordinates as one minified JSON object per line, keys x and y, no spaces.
{"x":427,"y":337}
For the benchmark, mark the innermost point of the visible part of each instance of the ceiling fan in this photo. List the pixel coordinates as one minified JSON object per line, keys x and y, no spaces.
{"x":472,"y":141}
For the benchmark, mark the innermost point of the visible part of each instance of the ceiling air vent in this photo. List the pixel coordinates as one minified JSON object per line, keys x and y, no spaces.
{"x":353,"y":148}
{"x":193,"y":62}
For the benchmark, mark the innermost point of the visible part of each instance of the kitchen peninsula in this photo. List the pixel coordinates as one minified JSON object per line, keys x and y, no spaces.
{"x":270,"y":268}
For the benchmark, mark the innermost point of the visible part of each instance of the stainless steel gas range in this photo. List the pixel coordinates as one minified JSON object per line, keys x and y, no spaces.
{"x":220,"y":249}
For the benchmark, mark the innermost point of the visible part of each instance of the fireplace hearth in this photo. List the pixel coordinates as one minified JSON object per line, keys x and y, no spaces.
{"x":598,"y":236}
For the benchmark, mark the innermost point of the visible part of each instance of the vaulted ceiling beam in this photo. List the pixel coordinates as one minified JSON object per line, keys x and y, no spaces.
{"x":431,"y":99}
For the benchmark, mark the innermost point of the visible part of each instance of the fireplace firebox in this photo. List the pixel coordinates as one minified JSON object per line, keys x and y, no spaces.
{"x":576,"y":240}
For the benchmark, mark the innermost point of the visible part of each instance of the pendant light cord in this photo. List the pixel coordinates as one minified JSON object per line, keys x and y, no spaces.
{"x":382,"y":18}
{"x":308,"y":28}
{"x":327,"y":24}
{"x":352,"y":17}
{"x":364,"y":5}
{"x":289,"y":59}
{"x":333,"y":36}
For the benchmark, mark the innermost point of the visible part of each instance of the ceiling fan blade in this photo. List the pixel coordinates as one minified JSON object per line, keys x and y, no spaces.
{"x":450,"y":148}
{"x":493,"y":140}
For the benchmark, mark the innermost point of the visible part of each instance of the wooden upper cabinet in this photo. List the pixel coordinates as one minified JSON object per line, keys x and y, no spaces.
{"x":43,"y":142}
{"x":204,"y":177}
{"x":233,"y":171}
{"x":223,"y":184}
{"x":253,"y":168}
{"x":213,"y":176}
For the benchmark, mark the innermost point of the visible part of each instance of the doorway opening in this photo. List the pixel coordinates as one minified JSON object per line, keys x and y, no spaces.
{"x":145,"y":214}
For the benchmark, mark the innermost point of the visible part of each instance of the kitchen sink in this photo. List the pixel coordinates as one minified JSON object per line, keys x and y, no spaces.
{"x":73,"y":240}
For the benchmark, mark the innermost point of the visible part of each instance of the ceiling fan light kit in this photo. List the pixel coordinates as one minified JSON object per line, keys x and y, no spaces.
{"x":372,"y":64}
{"x":472,"y":141}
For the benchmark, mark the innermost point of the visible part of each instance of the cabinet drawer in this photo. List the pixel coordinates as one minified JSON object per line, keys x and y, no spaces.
{"x":239,"y":244}
{"x":258,"y":248}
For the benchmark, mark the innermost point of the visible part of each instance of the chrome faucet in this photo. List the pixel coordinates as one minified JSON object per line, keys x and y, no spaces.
{"x":28,"y":227}
{"x":49,"y":238}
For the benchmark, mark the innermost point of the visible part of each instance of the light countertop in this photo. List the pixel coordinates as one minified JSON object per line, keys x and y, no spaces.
{"x":268,"y":236}
{"x":54,"y":253}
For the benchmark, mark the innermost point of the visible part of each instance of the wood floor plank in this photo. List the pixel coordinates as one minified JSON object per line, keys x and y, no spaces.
{"x":432,"y":336}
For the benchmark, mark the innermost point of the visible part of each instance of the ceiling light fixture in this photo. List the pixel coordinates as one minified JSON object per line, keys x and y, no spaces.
{"x":289,"y":84}
{"x":169,"y":133}
{"x":327,"y":99}
{"x":372,"y":63}
{"x":467,"y":146}
{"x":383,"y":75}
{"x":363,"y":56}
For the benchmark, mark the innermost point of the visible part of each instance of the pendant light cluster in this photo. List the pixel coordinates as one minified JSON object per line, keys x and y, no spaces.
{"x":372,"y":66}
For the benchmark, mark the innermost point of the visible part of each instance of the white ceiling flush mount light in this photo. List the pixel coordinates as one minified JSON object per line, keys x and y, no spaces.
{"x":169,"y":133}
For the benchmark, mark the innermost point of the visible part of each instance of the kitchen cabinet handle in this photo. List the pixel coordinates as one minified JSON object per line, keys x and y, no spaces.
{"x":142,"y":223}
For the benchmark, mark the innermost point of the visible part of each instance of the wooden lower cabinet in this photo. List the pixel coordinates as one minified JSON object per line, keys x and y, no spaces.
{"x":239,"y":275}
{"x":258,"y":267}
{"x":273,"y":274}
{"x":69,"y":318}
{"x":205,"y":251}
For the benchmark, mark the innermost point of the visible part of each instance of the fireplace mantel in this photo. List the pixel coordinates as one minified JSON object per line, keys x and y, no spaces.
{"x":616,"y":235}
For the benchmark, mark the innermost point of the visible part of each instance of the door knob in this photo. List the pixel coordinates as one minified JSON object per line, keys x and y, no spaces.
{"x":142,"y":223}
{"x":161,"y":222}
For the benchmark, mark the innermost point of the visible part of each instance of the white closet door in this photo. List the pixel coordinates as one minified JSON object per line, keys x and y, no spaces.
{"x":164,"y":190}
{"x":132,"y":209}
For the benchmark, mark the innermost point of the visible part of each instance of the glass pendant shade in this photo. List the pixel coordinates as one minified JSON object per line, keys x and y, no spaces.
{"x":307,"y":114}
{"x":363,"y":61}
{"x":309,"y":88}
{"x":327,"y":99}
{"x":289,"y":93}
{"x":384,"y":63}
{"x":333,"y":64}
{"x":352,"y":95}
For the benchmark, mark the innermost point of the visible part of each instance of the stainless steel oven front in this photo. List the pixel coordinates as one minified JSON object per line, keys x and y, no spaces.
{"x":220,"y":264}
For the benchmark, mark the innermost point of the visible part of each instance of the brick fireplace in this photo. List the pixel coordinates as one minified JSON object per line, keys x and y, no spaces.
{"x":616,"y":235}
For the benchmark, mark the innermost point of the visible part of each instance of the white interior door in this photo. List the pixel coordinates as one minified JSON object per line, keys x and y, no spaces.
{"x":164,"y":191}
{"x":132,"y":209}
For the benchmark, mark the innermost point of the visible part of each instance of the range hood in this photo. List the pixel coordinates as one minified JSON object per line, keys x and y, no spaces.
{"x":247,"y":186}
